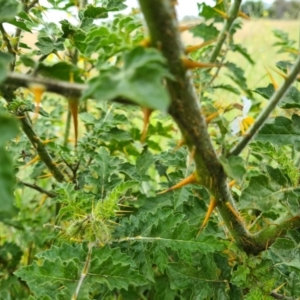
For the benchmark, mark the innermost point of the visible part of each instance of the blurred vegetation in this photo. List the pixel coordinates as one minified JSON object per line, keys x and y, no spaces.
{"x":280,"y":9}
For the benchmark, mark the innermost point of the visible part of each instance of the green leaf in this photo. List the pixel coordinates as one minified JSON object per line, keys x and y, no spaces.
{"x":202,"y":279}
{"x":261,"y":194}
{"x":243,"y":51}
{"x":290,"y":100}
{"x":104,"y":172}
{"x":239,"y":277}
{"x":9,"y":129}
{"x":238,"y":76}
{"x":207,"y":12}
{"x":62,"y":70}
{"x":234,"y":167}
{"x":143,"y":163}
{"x":101,"y":38}
{"x":58,"y":274}
{"x":227,"y":87}
{"x":5,"y":60}
{"x":281,"y":131}
{"x":9,"y":9}
{"x":207,"y":32}
{"x":266,"y":92}
{"x":278,"y":176}
{"x":283,"y":244}
{"x":20,"y":24}
{"x":75,"y":35}
{"x":109,"y":205}
{"x":96,"y":12}
{"x":140,"y":81}
{"x":48,"y":45}
{"x":115,"y":5}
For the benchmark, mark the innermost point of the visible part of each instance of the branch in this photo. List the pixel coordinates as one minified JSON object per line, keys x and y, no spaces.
{"x":39,"y":189}
{"x":8,"y":95}
{"x":232,"y":15}
{"x":267,"y":236}
{"x":163,"y":28}
{"x":8,"y":45}
{"x":262,"y":118}
{"x":63,"y":88}
{"x":41,"y":149}
{"x":19,"y":30}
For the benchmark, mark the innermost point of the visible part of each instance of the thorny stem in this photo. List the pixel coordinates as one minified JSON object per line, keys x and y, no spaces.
{"x":163,"y":28}
{"x":41,"y":149}
{"x":262,"y":118}
{"x":184,"y":109}
{"x":232,"y":15}
{"x":8,"y":95}
{"x":64,"y":88}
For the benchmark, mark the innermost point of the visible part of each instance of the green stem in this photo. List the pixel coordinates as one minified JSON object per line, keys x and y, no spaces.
{"x":9,"y":46}
{"x":267,"y":236}
{"x":262,"y":118}
{"x":8,"y":95}
{"x":232,"y":15}
{"x":41,"y":149}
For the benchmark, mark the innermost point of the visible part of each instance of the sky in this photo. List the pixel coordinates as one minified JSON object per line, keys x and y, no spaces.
{"x":185,"y":7}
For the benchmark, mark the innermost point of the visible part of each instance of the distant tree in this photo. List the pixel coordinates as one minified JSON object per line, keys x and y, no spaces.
{"x":253,"y":8}
{"x":282,"y":9}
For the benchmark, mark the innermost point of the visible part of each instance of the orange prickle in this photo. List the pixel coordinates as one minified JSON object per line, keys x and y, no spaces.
{"x":188,"y":180}
{"x":190,"y":64}
{"x":147,"y":113}
{"x":211,"y":117}
{"x":243,"y":15}
{"x":221,"y":13}
{"x":199,"y":46}
{"x":234,"y":212}
{"x":283,"y":75}
{"x":179,"y":144}
{"x":183,"y":28}
{"x":37,"y":90}
{"x":145,"y":43}
{"x":34,"y":160}
{"x":232,"y":183}
{"x":272,"y":79}
{"x":211,"y":207}
{"x":73,"y":107}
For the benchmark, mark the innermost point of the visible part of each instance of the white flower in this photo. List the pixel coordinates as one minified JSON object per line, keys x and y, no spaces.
{"x":242,"y":123}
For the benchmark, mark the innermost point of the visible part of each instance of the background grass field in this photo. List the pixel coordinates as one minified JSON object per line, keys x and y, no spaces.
{"x":257,"y":37}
